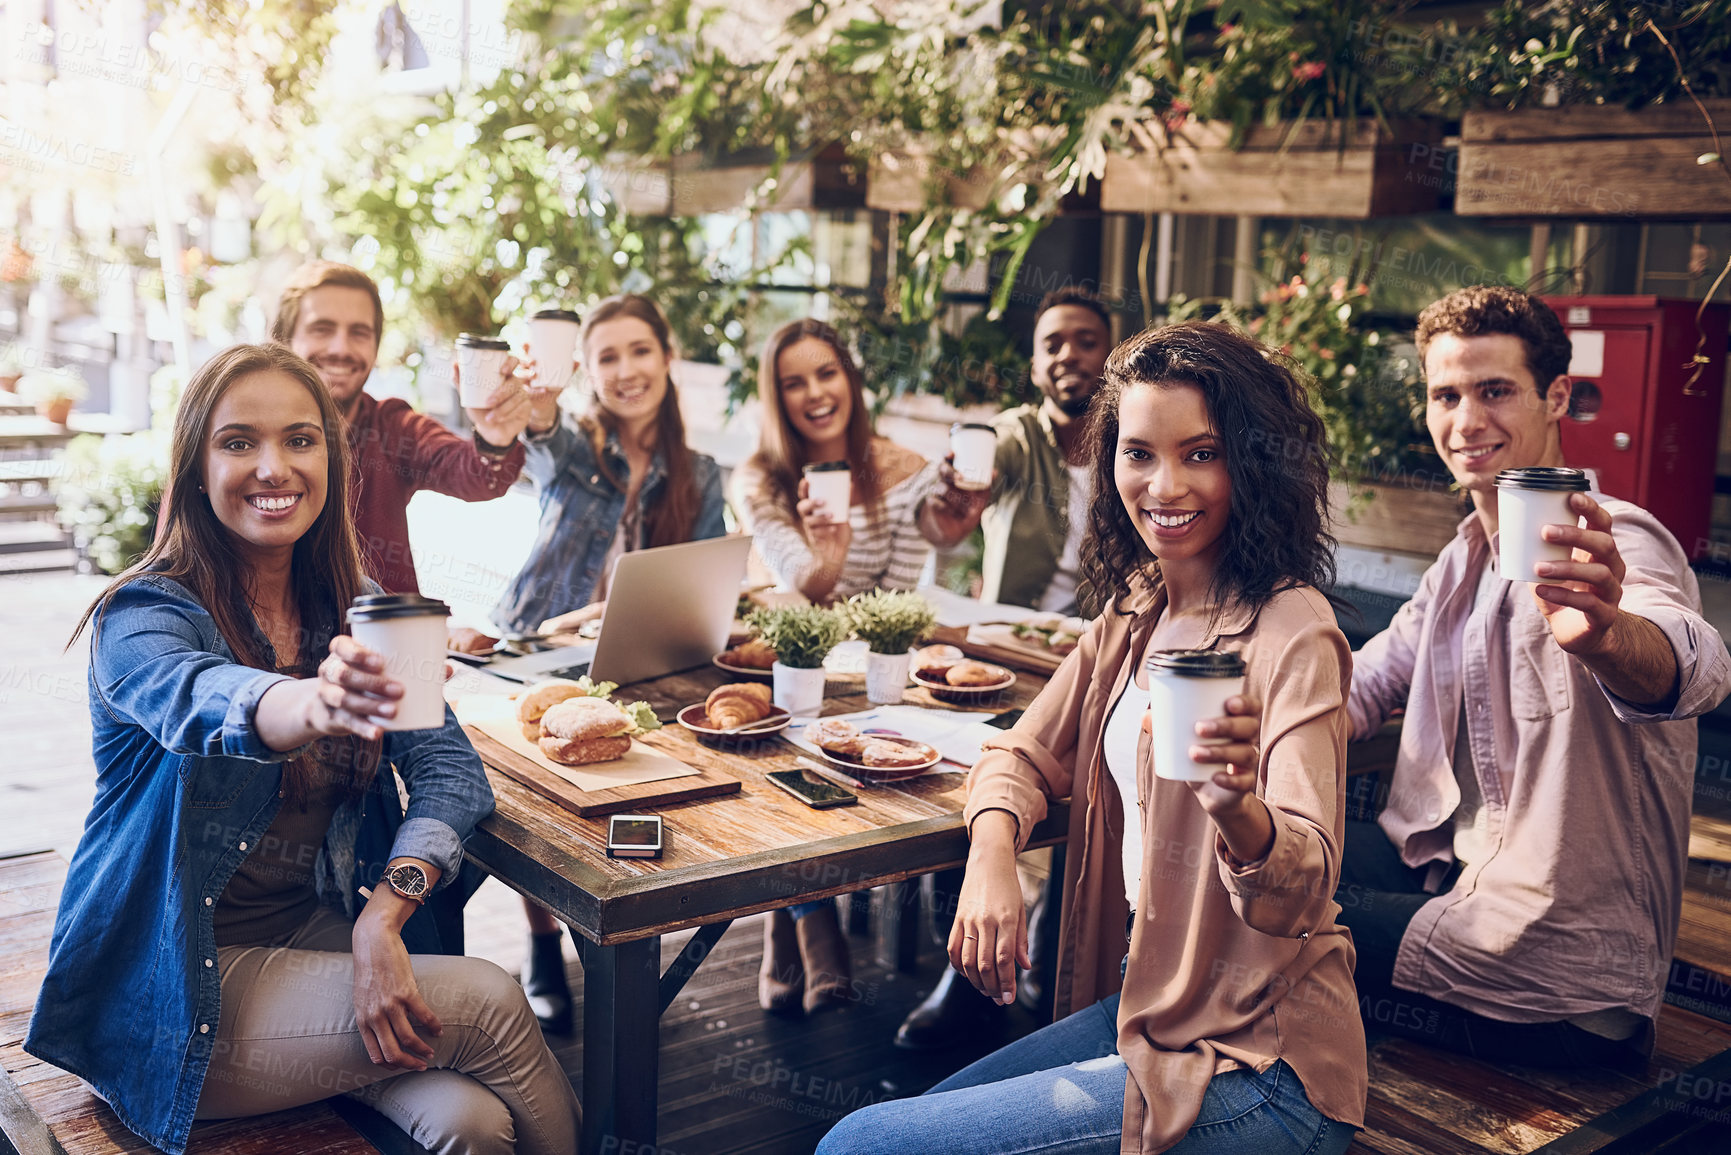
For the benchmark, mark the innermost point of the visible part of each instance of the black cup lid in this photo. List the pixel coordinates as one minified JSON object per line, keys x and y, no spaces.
{"x":377,"y":607}
{"x":1196,"y":663}
{"x":1544,"y":477}
{"x":826,"y":466}
{"x":557,"y":315}
{"x":973,"y":425}
{"x":476,"y":341}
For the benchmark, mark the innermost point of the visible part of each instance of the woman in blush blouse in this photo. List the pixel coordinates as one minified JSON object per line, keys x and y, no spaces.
{"x":1205,"y":977}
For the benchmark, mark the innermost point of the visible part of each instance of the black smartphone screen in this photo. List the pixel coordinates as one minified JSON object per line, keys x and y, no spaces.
{"x":634,"y":832}
{"x":1005,"y":720}
{"x":814,"y":792}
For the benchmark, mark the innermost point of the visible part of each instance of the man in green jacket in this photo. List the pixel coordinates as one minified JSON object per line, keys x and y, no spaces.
{"x":1035,"y":516}
{"x":1035,"y":513}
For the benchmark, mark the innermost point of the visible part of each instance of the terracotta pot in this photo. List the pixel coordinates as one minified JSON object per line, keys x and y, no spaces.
{"x":10,"y":383}
{"x":57,"y":410}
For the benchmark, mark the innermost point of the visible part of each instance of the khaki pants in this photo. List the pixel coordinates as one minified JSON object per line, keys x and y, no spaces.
{"x":288,"y":1037}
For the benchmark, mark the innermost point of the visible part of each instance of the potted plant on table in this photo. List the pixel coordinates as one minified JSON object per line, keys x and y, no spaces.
{"x":890,"y":622}
{"x":801,"y":636}
{"x":54,"y":392}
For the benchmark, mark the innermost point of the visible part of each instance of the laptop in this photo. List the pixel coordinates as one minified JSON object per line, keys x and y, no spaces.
{"x":668,"y":608}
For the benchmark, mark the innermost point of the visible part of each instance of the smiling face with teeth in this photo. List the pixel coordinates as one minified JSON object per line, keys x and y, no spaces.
{"x":266,"y":464}
{"x":627,"y":366}
{"x":1486,"y":413}
{"x":817,"y":397}
{"x":1170,"y":472}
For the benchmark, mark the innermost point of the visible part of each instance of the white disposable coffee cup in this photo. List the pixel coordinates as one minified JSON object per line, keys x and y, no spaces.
{"x":1186,"y":687}
{"x":553,"y":337}
{"x":974,"y":446}
{"x":481,"y":380}
{"x":409,"y":632}
{"x":1527,"y":501}
{"x":829,"y":484}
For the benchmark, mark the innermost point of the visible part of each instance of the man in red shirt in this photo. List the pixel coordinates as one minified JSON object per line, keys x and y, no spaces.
{"x":331,"y":314}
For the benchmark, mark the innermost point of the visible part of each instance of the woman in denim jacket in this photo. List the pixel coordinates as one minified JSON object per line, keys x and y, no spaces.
{"x":241,"y":929}
{"x":617,"y":478}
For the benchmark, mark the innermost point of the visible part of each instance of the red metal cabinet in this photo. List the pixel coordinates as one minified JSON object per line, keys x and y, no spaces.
{"x":1630,"y":418}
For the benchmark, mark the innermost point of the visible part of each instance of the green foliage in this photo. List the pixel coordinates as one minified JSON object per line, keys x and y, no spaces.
{"x":108,"y":494}
{"x":42,"y":386}
{"x":1590,"y":52}
{"x":890,"y":621}
{"x":801,"y":636}
{"x":1366,"y":394}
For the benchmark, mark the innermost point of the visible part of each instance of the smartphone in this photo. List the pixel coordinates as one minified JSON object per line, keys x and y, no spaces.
{"x":1005,"y":720}
{"x":816,"y":793}
{"x":634,"y":836}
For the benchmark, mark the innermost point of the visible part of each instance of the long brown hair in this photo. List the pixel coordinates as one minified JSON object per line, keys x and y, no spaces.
{"x":782,"y":453}
{"x":670,"y":520}
{"x":198,"y":552}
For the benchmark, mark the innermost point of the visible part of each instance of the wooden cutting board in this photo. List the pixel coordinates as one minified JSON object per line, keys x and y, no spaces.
{"x":705,"y":783}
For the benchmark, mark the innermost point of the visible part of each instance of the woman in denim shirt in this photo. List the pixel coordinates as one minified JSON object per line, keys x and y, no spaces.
{"x":236,"y":929}
{"x":617,"y":478}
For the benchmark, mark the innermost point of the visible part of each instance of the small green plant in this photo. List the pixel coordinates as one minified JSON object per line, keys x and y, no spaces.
{"x":801,"y":636}
{"x":109,"y":493}
{"x":890,"y":621}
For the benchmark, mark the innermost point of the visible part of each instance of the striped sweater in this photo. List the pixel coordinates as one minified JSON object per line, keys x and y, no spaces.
{"x":887,"y":553}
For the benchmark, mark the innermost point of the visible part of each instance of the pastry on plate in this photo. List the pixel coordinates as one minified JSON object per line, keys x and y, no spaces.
{"x":971,"y":673}
{"x":752,"y":654}
{"x":934,"y":661}
{"x":835,"y":737}
{"x":737,"y":704}
{"x":885,"y":755}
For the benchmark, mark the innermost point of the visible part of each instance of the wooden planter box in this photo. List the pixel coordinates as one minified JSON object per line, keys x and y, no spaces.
{"x":903,"y":181}
{"x":1398,"y":519}
{"x":1593,"y":161}
{"x":692,"y":186}
{"x":1329,"y":171}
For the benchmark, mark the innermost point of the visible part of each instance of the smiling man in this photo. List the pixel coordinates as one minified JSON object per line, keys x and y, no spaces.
{"x":1520,"y":899}
{"x":331,"y":314}
{"x":1034,"y":513}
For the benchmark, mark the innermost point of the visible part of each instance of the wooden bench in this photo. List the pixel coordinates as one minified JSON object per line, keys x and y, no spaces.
{"x":1429,"y":1102}
{"x":45,"y":1111}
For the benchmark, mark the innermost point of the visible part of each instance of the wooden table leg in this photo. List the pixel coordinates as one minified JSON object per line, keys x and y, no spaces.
{"x":898,"y":936}
{"x":621,"y":1045}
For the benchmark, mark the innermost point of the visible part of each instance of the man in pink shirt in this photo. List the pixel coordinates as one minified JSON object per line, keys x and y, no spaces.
{"x":331,"y":314}
{"x":1520,"y":899}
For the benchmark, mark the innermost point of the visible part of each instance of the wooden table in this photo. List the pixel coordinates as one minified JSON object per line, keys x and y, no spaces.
{"x":725,"y":858}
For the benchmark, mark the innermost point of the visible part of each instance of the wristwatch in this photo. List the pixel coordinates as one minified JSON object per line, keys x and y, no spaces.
{"x":408,"y":880}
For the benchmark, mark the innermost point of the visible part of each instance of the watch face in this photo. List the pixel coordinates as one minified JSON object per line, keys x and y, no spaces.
{"x":408,"y":880}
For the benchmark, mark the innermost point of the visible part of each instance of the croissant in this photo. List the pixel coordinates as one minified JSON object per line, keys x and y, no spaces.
{"x":737,"y":704}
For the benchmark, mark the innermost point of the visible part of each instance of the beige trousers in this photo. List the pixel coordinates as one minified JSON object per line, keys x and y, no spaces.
{"x":288,"y":1037}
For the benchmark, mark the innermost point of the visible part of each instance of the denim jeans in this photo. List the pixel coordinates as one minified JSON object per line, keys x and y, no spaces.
{"x":1061,"y":1089}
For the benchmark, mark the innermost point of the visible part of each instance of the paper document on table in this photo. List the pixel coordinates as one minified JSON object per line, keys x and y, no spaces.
{"x":955,"y":734}
{"x":954,"y":610}
{"x":497,"y":718}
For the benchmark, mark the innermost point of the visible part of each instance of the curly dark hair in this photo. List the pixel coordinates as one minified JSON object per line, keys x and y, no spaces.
{"x":1276,"y":458}
{"x":1485,"y":309}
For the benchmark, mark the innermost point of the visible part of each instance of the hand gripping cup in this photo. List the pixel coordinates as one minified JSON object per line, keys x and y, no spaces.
{"x":974,"y":446}
{"x":409,"y":632}
{"x":481,"y":369}
{"x":1527,"y":500}
{"x":553,"y":340}
{"x":829,"y":484}
{"x":1184,"y":688}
